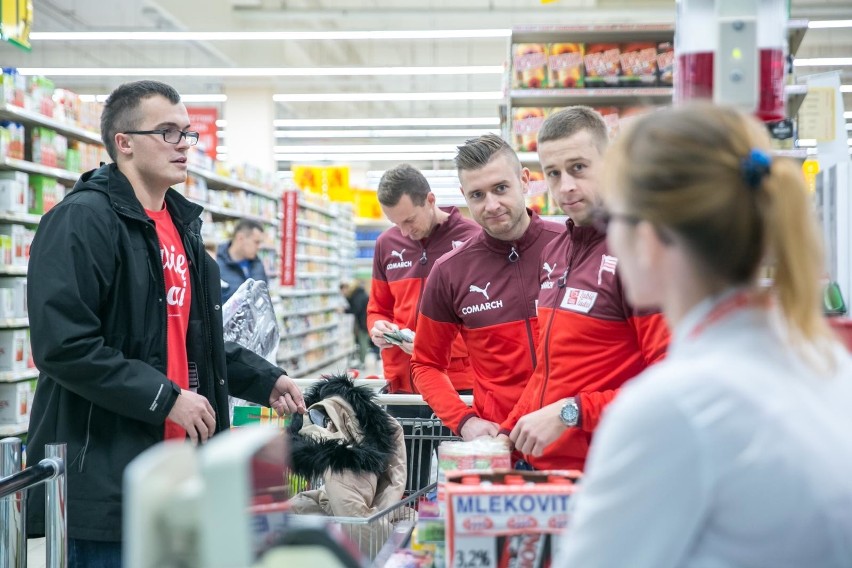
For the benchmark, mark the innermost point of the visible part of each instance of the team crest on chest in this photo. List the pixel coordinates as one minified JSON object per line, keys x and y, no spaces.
{"x":578,"y":300}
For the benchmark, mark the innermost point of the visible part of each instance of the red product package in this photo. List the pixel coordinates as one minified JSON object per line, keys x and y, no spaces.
{"x":603,"y":65}
{"x":638,"y":64}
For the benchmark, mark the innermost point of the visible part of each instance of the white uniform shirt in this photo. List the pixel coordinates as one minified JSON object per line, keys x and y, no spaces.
{"x":731,"y":452}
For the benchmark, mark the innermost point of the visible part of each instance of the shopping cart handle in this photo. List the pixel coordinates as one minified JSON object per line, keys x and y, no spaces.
{"x":414,"y":399}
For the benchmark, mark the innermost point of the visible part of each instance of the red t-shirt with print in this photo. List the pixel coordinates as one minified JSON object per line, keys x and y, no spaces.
{"x":178,"y":299}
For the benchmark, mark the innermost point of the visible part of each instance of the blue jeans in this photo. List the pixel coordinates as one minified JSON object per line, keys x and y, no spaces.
{"x":93,"y":554}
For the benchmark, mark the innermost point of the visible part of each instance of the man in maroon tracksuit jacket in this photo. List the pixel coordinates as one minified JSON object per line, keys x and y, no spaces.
{"x":591,"y":340}
{"x":485,"y":291}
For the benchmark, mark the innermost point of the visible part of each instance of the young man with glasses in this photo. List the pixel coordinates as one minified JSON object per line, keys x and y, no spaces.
{"x":126,"y":322}
{"x":591,"y":340}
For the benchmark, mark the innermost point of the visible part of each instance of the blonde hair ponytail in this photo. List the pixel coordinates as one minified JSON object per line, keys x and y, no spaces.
{"x":703,"y":172}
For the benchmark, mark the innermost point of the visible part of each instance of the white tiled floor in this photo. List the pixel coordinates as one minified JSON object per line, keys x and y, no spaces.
{"x":35,"y":553}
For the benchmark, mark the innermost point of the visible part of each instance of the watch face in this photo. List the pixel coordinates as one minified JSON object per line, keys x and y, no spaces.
{"x":570,"y":414}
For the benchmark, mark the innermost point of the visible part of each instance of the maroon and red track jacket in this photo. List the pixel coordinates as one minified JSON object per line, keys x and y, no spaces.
{"x":485,"y":291}
{"x":400,"y":268}
{"x":591,"y":343}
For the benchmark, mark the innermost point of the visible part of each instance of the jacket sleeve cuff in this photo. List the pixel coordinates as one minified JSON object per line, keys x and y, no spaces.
{"x":505,"y":431}
{"x":463,"y":421}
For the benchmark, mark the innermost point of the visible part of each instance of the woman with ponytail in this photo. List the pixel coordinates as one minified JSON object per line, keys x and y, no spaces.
{"x":736,"y":450}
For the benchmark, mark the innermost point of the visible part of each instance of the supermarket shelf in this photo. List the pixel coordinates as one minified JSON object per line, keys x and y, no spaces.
{"x":596,"y":33}
{"x":233,"y":213}
{"x":24,"y":218}
{"x":312,"y":258}
{"x":67,"y":178}
{"x":30,"y":118}
{"x":795,"y":34}
{"x":368,"y":222}
{"x":363,"y":261}
{"x":8,"y":323}
{"x":287,"y":292}
{"x":316,"y":274}
{"x":308,"y":311}
{"x":306,"y":331}
{"x":7,"y":430}
{"x":795,"y":153}
{"x":13,"y":270}
{"x":17,"y":376}
{"x":320,"y":226}
{"x":216,"y":243}
{"x":795,"y":97}
{"x":318,"y":366}
{"x":564,"y":97}
{"x":317,"y":242}
{"x":323,"y":345}
{"x":216,"y":181}
{"x":313,"y":207}
{"x":365,"y":242}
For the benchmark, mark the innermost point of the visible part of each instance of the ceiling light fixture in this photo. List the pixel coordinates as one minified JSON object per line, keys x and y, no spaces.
{"x":371,"y":122}
{"x":364,"y":148}
{"x":270,"y":36}
{"x":258,"y":71}
{"x":407,"y":133}
{"x":348,"y":158}
{"x":209,"y":98}
{"x":830,"y":24}
{"x":822,"y":61}
{"x":370,"y":97}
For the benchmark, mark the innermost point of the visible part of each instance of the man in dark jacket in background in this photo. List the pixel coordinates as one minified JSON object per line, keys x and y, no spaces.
{"x":357,"y":299}
{"x":238,"y":260}
{"x":126,"y":322}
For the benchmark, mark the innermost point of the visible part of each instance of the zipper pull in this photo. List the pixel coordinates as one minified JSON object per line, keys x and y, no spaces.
{"x":562,"y":279}
{"x":423,"y":259}
{"x":513,"y":255}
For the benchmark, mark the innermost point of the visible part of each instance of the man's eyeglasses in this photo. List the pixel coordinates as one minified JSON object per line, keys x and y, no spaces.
{"x":601,"y":218}
{"x":170,"y":135}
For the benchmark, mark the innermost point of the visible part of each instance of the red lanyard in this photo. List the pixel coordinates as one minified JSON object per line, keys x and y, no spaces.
{"x":733,"y":303}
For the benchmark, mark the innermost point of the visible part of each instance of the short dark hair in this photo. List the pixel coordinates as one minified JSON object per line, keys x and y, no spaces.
{"x":247,"y":226}
{"x":570,"y":120}
{"x":476,"y":152}
{"x":120,"y":109}
{"x":403,"y":179}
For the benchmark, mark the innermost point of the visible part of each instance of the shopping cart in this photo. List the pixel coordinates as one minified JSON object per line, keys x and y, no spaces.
{"x":384,"y":531}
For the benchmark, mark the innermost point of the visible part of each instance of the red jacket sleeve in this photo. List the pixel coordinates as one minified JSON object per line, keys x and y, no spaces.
{"x":652,"y":337}
{"x":429,"y":367}
{"x":380,"y":305}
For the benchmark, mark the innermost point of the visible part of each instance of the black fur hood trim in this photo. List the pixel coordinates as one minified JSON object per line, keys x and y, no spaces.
{"x":312,"y":458}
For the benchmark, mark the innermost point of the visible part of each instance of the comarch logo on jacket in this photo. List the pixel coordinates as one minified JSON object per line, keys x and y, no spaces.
{"x":401,"y":263}
{"x":483,"y":306}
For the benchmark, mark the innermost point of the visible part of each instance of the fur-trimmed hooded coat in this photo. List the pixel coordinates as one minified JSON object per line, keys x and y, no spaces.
{"x":360,"y":455}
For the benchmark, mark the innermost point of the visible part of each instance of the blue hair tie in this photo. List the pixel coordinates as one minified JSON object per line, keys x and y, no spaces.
{"x":755,"y":166}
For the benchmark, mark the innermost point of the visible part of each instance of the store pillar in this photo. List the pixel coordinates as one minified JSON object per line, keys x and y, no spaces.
{"x":249,"y":134}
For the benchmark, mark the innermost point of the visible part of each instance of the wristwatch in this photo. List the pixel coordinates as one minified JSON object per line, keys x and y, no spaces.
{"x":570,"y":413}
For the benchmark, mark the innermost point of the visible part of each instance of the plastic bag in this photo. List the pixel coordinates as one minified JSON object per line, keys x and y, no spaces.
{"x":249,"y":320}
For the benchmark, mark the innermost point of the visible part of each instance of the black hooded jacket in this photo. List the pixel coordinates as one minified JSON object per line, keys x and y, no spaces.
{"x":98,"y":331}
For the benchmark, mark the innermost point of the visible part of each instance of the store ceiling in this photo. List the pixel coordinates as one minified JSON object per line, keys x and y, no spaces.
{"x":331,"y":15}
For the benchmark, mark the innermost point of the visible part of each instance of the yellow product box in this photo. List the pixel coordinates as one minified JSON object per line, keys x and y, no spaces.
{"x":565,"y":68}
{"x":529,"y":66}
